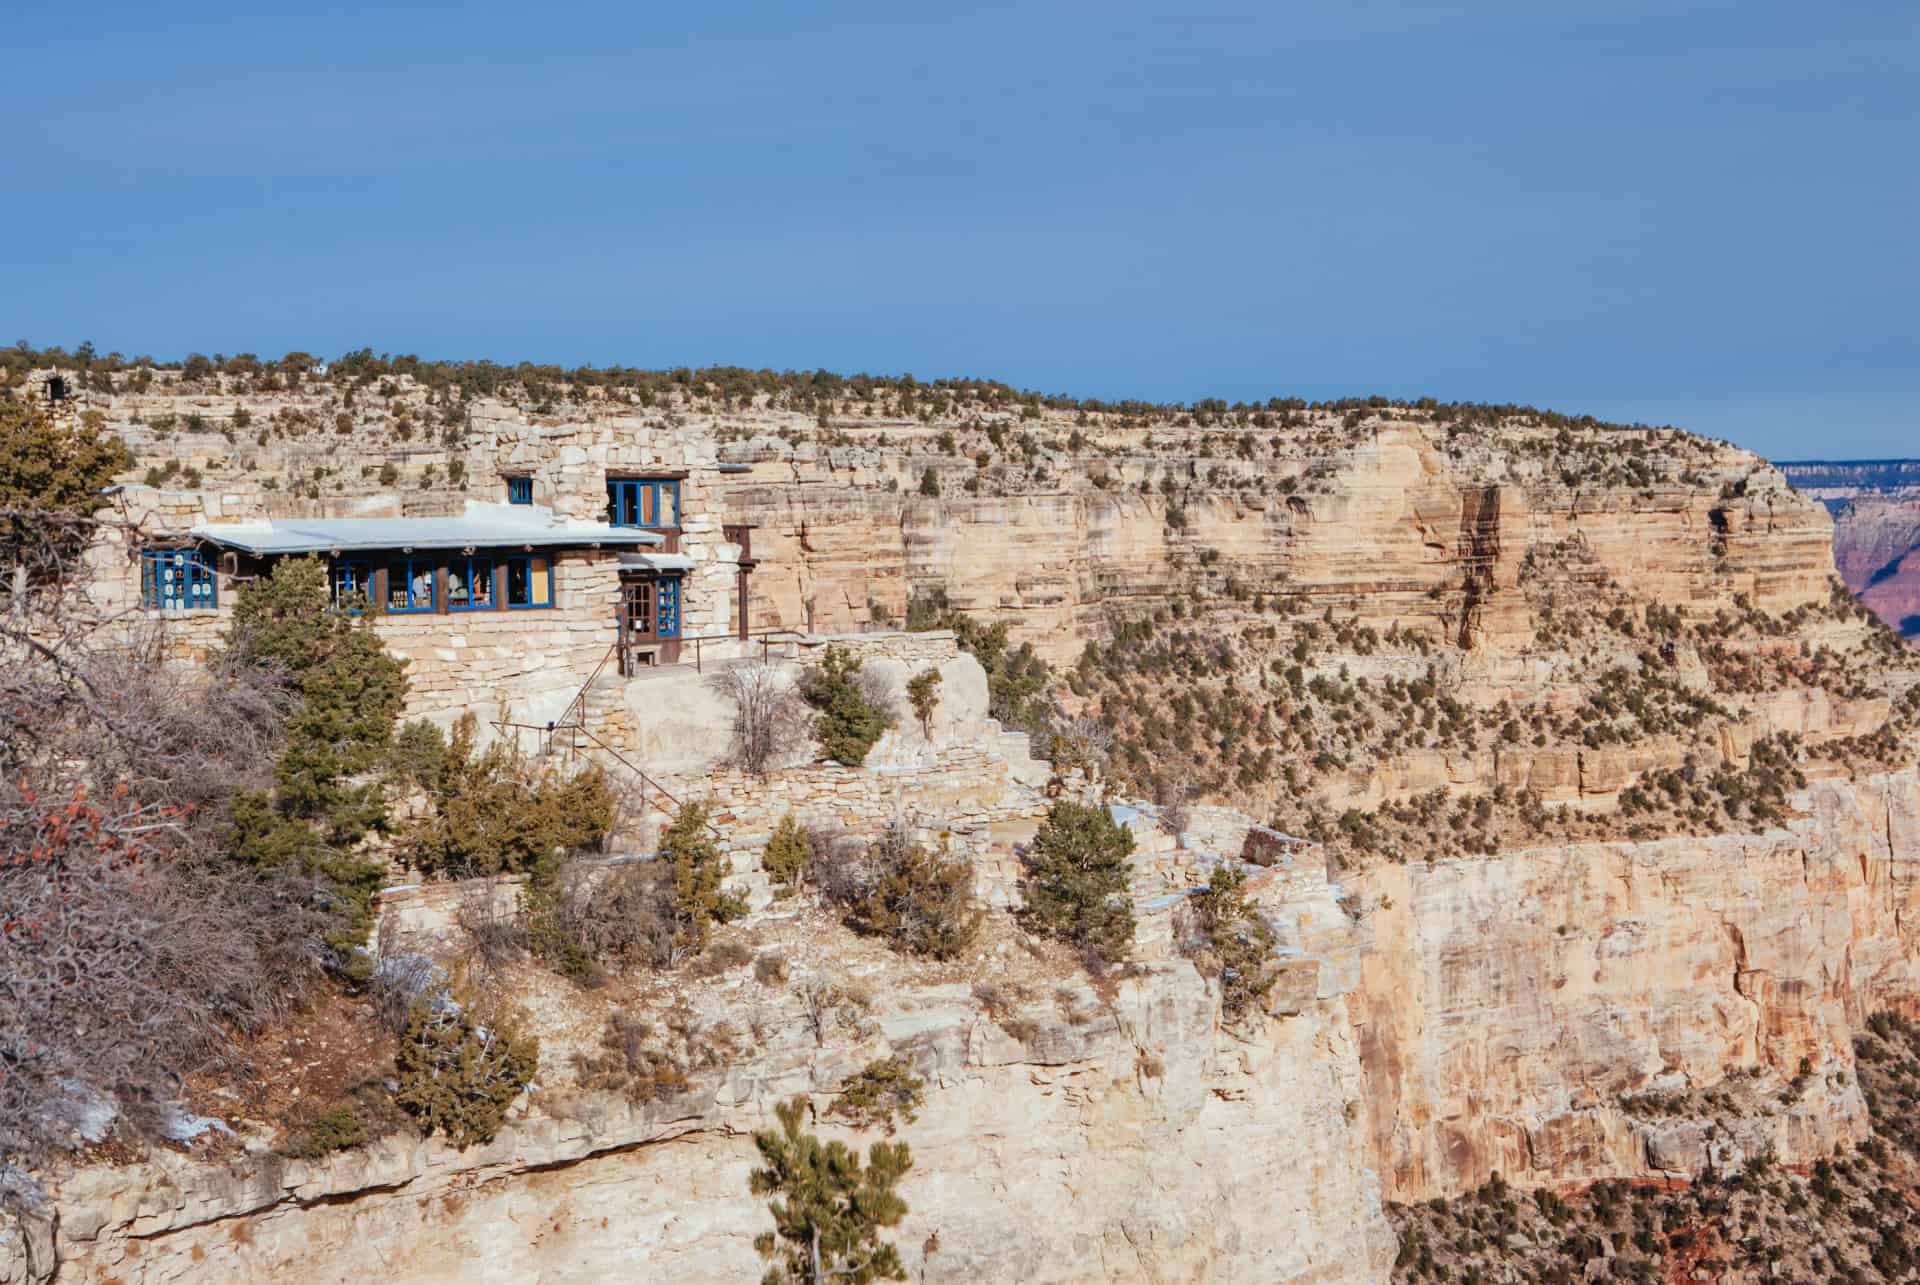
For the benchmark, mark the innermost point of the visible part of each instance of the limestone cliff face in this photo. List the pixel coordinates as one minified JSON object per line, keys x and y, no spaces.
{"x":1511,"y":1003}
{"x":1395,"y":529}
{"x":1128,"y":1140}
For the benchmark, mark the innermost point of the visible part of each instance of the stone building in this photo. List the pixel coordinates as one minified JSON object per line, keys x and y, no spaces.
{"x":509,"y":607}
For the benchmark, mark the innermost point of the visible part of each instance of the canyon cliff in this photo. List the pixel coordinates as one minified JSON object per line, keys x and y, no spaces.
{"x":1876,"y":531}
{"x":1595,"y":788}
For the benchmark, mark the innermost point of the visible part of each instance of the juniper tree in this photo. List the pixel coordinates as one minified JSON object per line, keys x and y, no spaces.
{"x":698,"y":866}
{"x":828,"y":1210}
{"x":923,"y":692}
{"x":1234,"y":940}
{"x":47,"y":468}
{"x":850,"y":724}
{"x":1076,"y":885}
{"x":786,"y":855}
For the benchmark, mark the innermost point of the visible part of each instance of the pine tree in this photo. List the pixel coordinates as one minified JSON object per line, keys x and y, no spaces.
{"x":323,"y":802}
{"x":829,"y":1211}
{"x":1076,"y":887}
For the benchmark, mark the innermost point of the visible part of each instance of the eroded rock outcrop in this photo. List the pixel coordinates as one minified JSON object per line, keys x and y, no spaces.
{"x":1511,"y":1004}
{"x":1127,"y":1139}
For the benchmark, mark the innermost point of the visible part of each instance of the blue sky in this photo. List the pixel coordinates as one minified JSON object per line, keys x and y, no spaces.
{"x":1680,"y":212}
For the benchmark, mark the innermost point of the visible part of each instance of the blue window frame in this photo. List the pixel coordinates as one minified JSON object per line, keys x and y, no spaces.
{"x":529,"y":581}
{"x":470,"y":584}
{"x":177,"y":580}
{"x":352,"y":583}
{"x":667,"y":611}
{"x":409,"y":585}
{"x":519,"y":490}
{"x":643,"y":502}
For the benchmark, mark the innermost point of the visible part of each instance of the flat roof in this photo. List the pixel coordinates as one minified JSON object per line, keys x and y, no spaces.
{"x":482,"y":525}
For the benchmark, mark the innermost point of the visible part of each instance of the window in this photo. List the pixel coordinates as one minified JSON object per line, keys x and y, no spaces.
{"x":176,"y":580}
{"x":409,"y":585}
{"x":352,"y":580}
{"x":643,"y":502}
{"x":519,"y":490}
{"x":470,"y":584}
{"x":530,"y":581}
{"x":668,"y":610}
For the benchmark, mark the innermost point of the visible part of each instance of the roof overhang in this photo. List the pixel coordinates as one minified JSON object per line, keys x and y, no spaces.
{"x":344,"y":535}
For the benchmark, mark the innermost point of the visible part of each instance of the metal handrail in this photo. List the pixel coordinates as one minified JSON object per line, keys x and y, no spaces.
{"x":645,"y":780}
{"x":766,"y":637}
{"x":577,"y":707}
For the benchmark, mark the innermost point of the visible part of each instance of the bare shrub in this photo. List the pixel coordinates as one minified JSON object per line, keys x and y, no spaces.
{"x":770,"y":721}
{"x":770,"y":969}
{"x":725,"y":957}
{"x":879,"y":692}
{"x":127,"y":963}
{"x":1082,"y":742}
{"x":496,"y":933}
{"x":1174,"y":796}
{"x":650,"y":1060}
{"x":835,"y":863}
{"x":628,"y":828}
{"x":589,"y":916}
{"x":831,"y":1004}
{"x":401,"y":978}
{"x":132,"y":949}
{"x":920,"y":901}
{"x":1001,"y":999}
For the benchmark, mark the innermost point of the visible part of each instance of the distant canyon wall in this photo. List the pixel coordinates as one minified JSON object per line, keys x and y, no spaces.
{"x":1876,"y":530}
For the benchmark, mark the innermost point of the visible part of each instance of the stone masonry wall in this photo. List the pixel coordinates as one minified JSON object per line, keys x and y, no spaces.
{"x":930,"y":648}
{"x":530,"y":662}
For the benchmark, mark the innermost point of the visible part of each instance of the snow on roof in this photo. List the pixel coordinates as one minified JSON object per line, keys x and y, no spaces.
{"x":658,"y":561}
{"x":481,"y":526}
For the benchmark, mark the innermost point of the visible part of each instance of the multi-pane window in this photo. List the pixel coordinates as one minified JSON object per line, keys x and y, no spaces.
{"x":352,"y":584}
{"x":519,"y":490}
{"x":652,"y":607}
{"x":176,"y":579}
{"x":668,"y":609}
{"x":409,"y":585}
{"x":470,"y":584}
{"x":643,"y":502}
{"x":530,"y":581}
{"x":487,"y":581}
